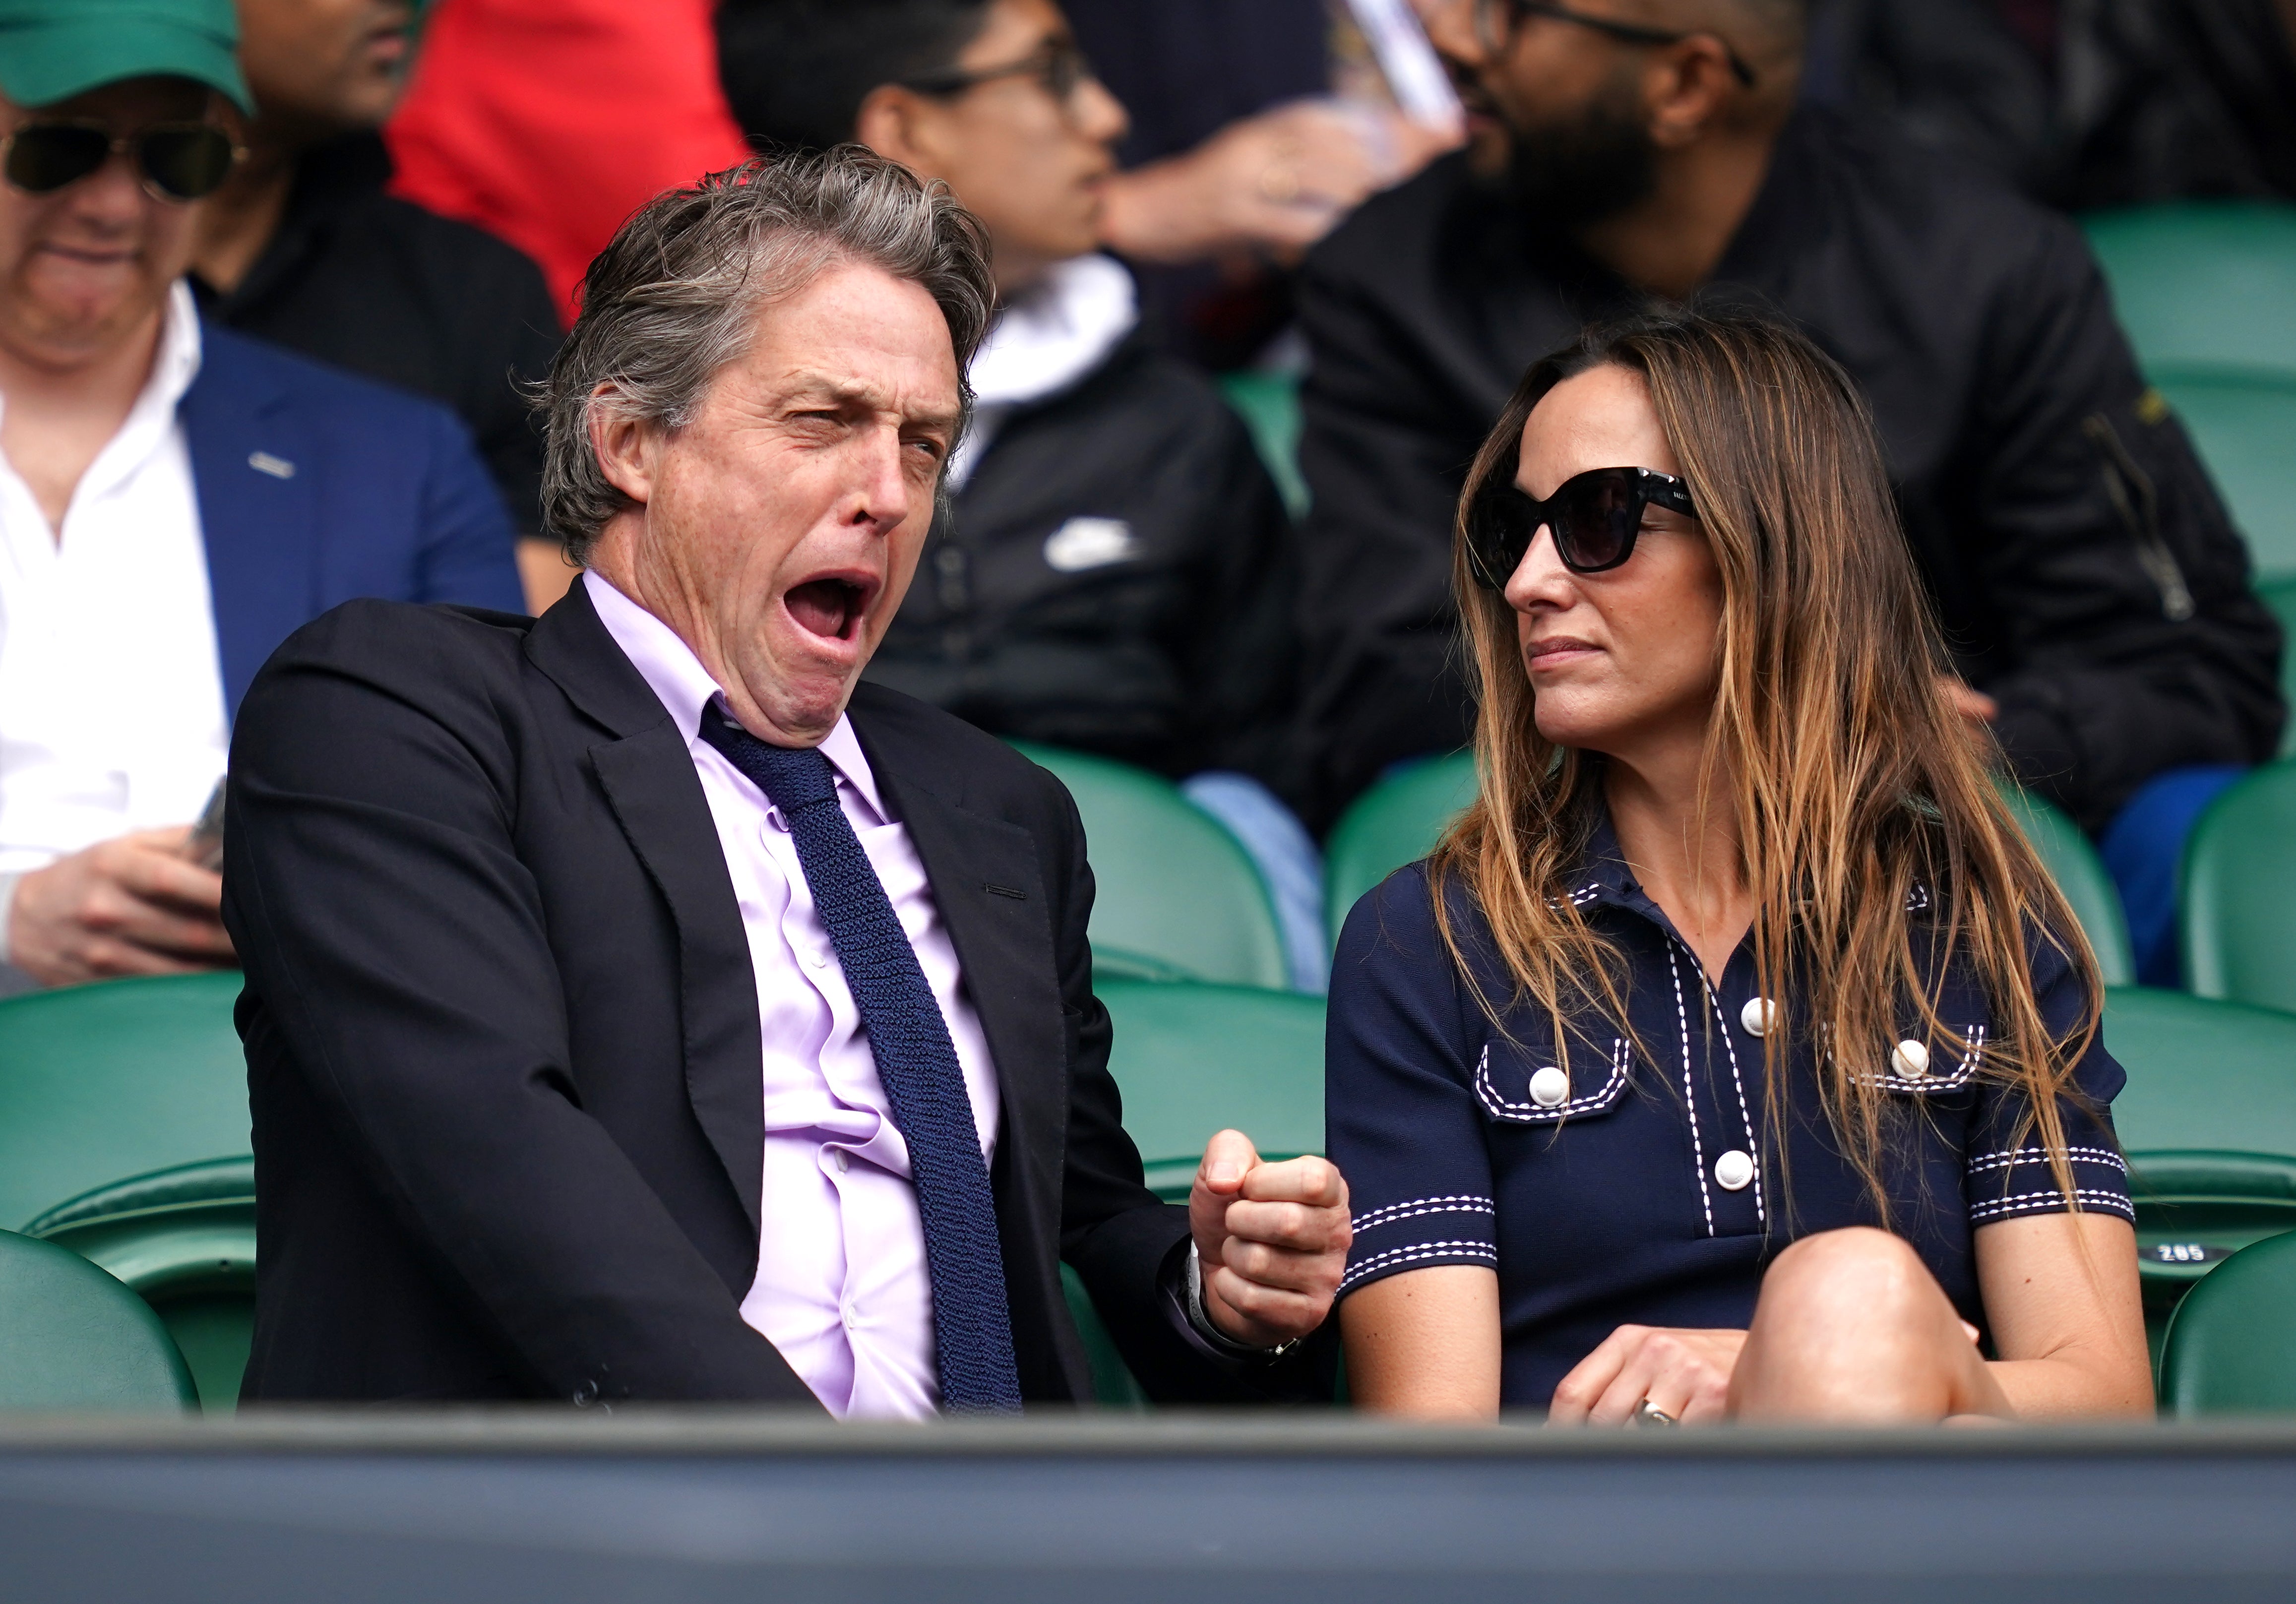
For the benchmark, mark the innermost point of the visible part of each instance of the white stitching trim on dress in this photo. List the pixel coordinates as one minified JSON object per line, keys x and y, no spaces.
{"x":2043,"y":1201}
{"x":1917,"y":900}
{"x":1690,"y":1091}
{"x":1487,"y":1091}
{"x":1412,"y":1255}
{"x":1578,"y":898}
{"x":2077,"y":1154}
{"x":1459,"y":1203}
{"x":1971,"y":1035}
{"x":1745,"y":1118}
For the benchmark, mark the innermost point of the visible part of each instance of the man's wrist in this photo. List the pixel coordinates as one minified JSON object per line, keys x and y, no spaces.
{"x":1200,"y":1319}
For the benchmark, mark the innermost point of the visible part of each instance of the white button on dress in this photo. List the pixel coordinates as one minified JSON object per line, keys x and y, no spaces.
{"x":1758,"y":1016}
{"x":1911,"y":1059}
{"x":1733,"y":1170}
{"x":1550,"y":1088}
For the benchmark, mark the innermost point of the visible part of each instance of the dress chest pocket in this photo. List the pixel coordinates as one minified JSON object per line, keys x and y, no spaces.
{"x":1527,"y":1082}
{"x":1928,"y":1060}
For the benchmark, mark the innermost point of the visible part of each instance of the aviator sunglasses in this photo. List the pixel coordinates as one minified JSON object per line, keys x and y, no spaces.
{"x":1596,"y":517}
{"x":178,"y":161}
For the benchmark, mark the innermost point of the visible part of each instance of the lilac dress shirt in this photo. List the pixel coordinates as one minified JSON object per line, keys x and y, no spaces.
{"x":842,"y":1289}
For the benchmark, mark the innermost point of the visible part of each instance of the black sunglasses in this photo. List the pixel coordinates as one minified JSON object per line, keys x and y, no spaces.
{"x":1596,"y":517}
{"x":178,"y":161}
{"x":1060,"y":67}
{"x":1492,"y":38}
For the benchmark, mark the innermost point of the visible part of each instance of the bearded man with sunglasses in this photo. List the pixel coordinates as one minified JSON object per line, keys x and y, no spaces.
{"x":174,"y":500}
{"x":1625,"y":151}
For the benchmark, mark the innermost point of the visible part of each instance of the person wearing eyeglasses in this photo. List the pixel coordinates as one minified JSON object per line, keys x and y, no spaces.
{"x":175,"y":499}
{"x":301,"y":246}
{"x":1626,"y":153}
{"x":1733,"y":1055}
{"x":1113,"y":572}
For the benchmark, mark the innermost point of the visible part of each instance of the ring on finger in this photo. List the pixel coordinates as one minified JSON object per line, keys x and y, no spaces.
{"x":1647,"y":1413}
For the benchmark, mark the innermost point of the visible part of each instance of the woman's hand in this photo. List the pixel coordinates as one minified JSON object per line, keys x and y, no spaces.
{"x":1686,"y":1373}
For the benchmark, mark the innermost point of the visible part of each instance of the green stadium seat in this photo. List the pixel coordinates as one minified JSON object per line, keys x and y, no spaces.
{"x":72,"y":1338}
{"x":2208,"y":1122}
{"x":2203,"y":282}
{"x":2232,"y":1347}
{"x":1270,"y":403}
{"x":183,"y":1240}
{"x":2280,"y":596}
{"x":1192,"y":1059}
{"x":138,"y":1078}
{"x":1112,"y":1383}
{"x":1398,"y":820}
{"x":2236,"y":911}
{"x":2080,"y":874}
{"x":2244,"y":426}
{"x":1178,"y":899}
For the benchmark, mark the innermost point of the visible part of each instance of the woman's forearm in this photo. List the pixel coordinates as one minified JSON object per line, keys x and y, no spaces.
{"x":1425,"y":1344}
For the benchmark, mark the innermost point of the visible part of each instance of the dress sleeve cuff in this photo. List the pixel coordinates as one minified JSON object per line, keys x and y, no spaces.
{"x":2010,"y":1185}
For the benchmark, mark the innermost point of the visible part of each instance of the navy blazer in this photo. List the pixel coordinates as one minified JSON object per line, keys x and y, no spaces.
{"x":317,"y":488}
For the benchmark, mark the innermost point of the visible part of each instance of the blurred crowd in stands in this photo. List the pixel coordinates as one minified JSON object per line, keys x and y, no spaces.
{"x":275,"y":279}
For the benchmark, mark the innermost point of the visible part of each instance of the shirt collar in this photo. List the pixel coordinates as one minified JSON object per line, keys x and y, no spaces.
{"x":668,"y":663}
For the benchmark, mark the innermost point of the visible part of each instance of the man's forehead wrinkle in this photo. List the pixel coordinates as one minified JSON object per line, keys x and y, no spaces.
{"x":801,"y":382}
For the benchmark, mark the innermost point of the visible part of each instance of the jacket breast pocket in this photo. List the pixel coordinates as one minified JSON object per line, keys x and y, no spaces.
{"x":1927,"y":1062}
{"x":1529,"y":1083}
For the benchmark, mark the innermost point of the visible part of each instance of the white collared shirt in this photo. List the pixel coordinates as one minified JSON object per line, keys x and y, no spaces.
{"x":842,"y":1289}
{"x":111,"y":700}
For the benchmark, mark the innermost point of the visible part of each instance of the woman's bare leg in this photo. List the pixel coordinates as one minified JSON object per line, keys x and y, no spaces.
{"x":1852,"y":1326}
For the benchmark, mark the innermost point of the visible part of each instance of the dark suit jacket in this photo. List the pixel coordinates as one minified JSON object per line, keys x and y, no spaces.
{"x":503,"y":1038}
{"x":315,"y":487}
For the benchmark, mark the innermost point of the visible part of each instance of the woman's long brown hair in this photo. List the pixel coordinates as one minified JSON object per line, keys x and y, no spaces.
{"x":1853,"y":777}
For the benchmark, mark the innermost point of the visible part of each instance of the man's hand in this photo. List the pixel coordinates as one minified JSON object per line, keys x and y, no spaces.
{"x":1686,"y":1373}
{"x":131,"y":906}
{"x":1272,"y":1238}
{"x":1972,"y":704}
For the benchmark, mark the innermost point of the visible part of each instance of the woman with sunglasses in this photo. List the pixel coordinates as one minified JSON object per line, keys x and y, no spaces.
{"x":1732,"y":1055}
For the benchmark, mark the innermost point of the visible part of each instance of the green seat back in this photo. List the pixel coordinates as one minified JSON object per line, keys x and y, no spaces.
{"x":120,"y":1078}
{"x":183,"y":1240}
{"x":2208,"y":1122}
{"x":2236,"y":911}
{"x":2280,"y":596}
{"x":1270,"y":403}
{"x":1178,"y":897}
{"x":2204,"y":281}
{"x":2244,"y":426}
{"x":2080,"y":874}
{"x":1114,"y":1386}
{"x":1397,"y":822}
{"x":1193,"y":1060}
{"x":73,"y":1338}
{"x":2232,"y":1347}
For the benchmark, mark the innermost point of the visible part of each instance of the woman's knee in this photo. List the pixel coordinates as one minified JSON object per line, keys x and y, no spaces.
{"x":1857,"y":1271}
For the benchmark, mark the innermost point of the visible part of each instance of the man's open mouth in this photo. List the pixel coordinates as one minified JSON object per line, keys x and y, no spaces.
{"x":831,"y":607}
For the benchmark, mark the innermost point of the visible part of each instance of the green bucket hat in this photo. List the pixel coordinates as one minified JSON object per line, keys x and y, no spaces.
{"x":51,"y":49}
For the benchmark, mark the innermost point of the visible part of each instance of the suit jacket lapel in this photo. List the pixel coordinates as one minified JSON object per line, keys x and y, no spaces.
{"x":985,"y":881}
{"x":647,"y":773}
{"x":256,"y":471}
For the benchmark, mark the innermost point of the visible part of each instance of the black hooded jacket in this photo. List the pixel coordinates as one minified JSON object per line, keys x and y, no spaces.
{"x":1115,"y":576}
{"x":2085,"y":571}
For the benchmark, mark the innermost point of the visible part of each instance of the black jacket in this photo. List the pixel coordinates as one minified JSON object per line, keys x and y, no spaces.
{"x":501,"y":1028}
{"x":2141,"y":99}
{"x":1166,"y":640}
{"x":384,"y":288}
{"x":2083,"y":568}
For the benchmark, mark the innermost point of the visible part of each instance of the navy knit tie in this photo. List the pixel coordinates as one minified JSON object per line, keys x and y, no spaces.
{"x":916,"y":1061}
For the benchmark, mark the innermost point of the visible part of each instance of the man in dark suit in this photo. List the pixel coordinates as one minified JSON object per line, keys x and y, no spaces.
{"x":636,"y":1009}
{"x":175,"y":500}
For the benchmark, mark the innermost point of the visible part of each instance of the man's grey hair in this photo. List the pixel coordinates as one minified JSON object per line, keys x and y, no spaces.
{"x":675,"y":296}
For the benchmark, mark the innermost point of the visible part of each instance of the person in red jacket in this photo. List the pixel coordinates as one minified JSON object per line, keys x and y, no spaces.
{"x":550,"y":122}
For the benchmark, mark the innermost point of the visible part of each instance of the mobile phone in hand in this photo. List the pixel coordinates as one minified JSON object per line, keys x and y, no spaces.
{"x":205,"y":846}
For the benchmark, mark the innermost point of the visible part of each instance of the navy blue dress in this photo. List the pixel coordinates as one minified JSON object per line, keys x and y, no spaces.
{"x":1609,"y":1188}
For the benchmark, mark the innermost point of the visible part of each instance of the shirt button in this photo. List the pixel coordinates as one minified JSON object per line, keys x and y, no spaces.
{"x":814,"y":957}
{"x":1733,"y":1170}
{"x":841,"y":1160}
{"x":1758,"y":1016}
{"x":1911,"y":1059}
{"x":1550,"y":1088}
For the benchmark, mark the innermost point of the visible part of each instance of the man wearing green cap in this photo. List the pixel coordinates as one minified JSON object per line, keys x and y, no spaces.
{"x":175,"y":499}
